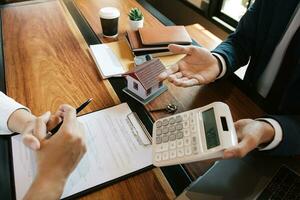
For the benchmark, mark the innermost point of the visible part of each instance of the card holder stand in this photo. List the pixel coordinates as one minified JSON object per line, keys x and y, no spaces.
{"x":134,"y":130}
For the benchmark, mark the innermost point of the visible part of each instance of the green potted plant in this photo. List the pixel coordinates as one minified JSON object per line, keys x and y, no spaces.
{"x":136,"y":18}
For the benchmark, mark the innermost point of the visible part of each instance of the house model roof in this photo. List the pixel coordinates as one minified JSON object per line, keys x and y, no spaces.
{"x":148,"y":72}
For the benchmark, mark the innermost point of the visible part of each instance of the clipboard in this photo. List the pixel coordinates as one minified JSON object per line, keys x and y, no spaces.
{"x":138,"y":137}
{"x":134,"y":128}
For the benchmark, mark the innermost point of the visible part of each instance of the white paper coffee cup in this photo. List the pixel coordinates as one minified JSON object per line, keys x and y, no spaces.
{"x":109,"y":18}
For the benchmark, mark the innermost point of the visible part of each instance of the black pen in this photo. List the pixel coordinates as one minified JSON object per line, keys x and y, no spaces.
{"x":56,"y":128}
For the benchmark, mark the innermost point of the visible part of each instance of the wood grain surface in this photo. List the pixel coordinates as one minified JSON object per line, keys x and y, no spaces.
{"x":47,"y":63}
{"x":203,"y":36}
{"x":90,"y":9}
{"x":147,"y":185}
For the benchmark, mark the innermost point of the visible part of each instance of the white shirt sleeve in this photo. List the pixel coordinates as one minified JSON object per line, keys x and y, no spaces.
{"x":278,"y":134}
{"x":7,"y":107}
{"x":278,"y":130}
{"x":223,"y":65}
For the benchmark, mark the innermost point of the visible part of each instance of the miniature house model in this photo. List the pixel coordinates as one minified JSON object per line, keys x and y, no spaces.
{"x":143,"y":81}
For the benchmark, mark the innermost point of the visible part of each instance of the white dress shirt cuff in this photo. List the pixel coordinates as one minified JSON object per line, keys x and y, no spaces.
{"x":278,"y":133}
{"x":7,"y":107}
{"x":223,"y":65}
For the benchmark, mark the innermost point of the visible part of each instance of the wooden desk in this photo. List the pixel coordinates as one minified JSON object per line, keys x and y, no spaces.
{"x":187,"y":98}
{"x":47,"y":63}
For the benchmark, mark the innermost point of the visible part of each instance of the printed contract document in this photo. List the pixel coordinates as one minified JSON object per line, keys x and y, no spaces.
{"x":116,"y":145}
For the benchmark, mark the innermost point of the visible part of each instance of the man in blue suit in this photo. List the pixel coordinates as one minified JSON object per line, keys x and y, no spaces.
{"x":268,"y":36}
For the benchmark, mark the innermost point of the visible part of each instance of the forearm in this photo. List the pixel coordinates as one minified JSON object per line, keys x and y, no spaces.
{"x":8,"y":107}
{"x":19,"y":119}
{"x":45,"y":188}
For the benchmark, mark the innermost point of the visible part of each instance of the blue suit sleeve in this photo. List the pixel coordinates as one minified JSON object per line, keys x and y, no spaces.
{"x":290,"y":144}
{"x":236,"y":49}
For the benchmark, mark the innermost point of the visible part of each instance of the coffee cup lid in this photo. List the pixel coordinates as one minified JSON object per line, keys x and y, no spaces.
{"x":109,"y":12}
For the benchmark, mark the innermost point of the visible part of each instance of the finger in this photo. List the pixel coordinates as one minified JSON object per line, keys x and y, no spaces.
{"x":31,"y":141}
{"x":242,"y":122}
{"x":64,"y":107}
{"x":171,"y":70}
{"x":186,"y":82}
{"x":200,"y":79}
{"x":175,"y":76}
{"x":40,"y":128}
{"x":241,"y":149}
{"x":69,"y":117}
{"x":179,"y":49}
{"x":178,"y":81}
{"x":46,"y":117}
{"x":238,"y":129}
{"x":240,"y":125}
{"x":55,"y":119}
{"x":28,"y":139}
{"x":173,"y":79}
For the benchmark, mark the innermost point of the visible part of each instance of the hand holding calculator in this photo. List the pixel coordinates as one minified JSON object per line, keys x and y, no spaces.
{"x":198,"y":134}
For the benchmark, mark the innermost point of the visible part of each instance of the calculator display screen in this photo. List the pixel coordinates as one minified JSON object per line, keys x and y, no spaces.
{"x":210,"y":127}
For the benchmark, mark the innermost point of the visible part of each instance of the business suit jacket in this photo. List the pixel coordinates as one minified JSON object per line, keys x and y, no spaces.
{"x":256,"y":37}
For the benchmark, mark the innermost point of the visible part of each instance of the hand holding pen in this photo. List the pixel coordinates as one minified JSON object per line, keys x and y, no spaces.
{"x":34,"y":132}
{"x":56,"y":128}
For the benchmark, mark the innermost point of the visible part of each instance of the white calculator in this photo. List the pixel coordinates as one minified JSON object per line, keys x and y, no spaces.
{"x":194,"y":135}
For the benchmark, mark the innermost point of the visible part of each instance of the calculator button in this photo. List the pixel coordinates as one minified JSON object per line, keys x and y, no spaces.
{"x":180,"y":152}
{"x":192,"y":115}
{"x":172,"y":120}
{"x":172,"y":128}
{"x":192,"y":120}
{"x":173,"y":154}
{"x":186,"y":133}
{"x":195,"y":149}
{"x":178,"y":119}
{"x":158,"y":124}
{"x":165,"y":146}
{"x":172,"y":137}
{"x":159,"y":148}
{"x":165,"y":122}
{"x":187,"y":141}
{"x":173,"y":145}
{"x":158,"y":140}
{"x":158,"y":157}
{"x":180,"y":143}
{"x":179,"y":127}
{"x":165,"y":130}
{"x":185,"y":116}
{"x":193,"y":128}
{"x":188,"y":151}
{"x":185,"y":124}
{"x":165,"y":155}
{"x":179,"y":135}
{"x":194,"y":140}
{"x":165,"y":138}
{"x":158,"y":131}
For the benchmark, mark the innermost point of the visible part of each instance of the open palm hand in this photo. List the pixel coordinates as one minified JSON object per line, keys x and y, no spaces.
{"x":198,"y":67}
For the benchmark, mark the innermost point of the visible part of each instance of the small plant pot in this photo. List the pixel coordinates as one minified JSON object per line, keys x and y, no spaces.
{"x":135,"y":25}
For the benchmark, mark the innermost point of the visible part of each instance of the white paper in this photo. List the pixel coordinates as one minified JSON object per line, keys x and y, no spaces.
{"x":107,"y":62}
{"x":112,"y":151}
